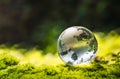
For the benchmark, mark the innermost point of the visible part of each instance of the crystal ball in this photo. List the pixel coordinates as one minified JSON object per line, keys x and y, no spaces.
{"x":77,"y":45}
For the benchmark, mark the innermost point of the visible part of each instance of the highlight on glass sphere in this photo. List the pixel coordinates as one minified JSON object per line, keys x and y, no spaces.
{"x":77,"y":45}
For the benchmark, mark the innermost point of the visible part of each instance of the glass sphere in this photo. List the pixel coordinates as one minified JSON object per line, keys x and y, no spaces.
{"x":77,"y":45}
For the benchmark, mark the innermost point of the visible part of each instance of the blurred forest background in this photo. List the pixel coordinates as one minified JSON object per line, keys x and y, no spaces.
{"x":39,"y":23}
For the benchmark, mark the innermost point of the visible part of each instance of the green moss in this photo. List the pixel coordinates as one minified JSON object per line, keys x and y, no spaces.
{"x":7,"y":60}
{"x":11,"y":69}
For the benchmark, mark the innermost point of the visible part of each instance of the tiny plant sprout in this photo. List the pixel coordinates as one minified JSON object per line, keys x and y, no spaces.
{"x":77,"y":45}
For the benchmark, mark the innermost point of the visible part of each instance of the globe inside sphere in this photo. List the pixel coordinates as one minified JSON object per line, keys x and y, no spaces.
{"x":77,"y":45}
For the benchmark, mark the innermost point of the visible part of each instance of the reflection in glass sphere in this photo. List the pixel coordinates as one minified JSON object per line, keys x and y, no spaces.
{"x":77,"y":45}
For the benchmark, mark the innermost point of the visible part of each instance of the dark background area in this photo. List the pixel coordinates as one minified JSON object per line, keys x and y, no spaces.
{"x":39,"y":22}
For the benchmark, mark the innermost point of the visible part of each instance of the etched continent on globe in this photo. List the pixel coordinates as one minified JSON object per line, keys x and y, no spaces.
{"x":77,"y":45}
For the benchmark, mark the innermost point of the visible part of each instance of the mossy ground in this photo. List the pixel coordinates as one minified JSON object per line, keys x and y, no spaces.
{"x":11,"y":69}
